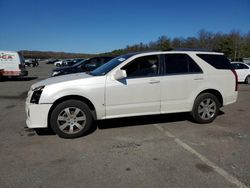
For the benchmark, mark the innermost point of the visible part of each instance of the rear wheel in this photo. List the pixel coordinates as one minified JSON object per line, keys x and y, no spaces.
{"x":247,"y":80}
{"x":71,"y":119}
{"x":206,"y":108}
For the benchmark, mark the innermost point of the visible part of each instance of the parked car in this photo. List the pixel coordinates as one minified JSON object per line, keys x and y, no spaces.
{"x":61,"y":62}
{"x":31,"y":62}
{"x":133,"y":85}
{"x":82,"y":66}
{"x":243,"y":71}
{"x":12,"y":64}
{"x":70,"y":62}
{"x":52,"y":61}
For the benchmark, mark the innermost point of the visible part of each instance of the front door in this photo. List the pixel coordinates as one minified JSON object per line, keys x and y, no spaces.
{"x":139,"y":93}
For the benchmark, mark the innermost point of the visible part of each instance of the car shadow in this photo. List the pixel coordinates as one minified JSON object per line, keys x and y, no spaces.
{"x":44,"y":131}
{"x":142,"y":120}
{"x":146,"y":120}
{"x":130,"y":121}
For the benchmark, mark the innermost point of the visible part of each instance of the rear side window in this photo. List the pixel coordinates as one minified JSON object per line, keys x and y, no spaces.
{"x":217,"y":61}
{"x":180,"y":64}
{"x":239,"y":66}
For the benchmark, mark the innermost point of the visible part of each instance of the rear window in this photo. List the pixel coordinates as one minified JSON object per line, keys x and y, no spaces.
{"x":217,"y":61}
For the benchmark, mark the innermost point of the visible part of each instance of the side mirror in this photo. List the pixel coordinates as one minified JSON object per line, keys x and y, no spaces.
{"x":119,"y":74}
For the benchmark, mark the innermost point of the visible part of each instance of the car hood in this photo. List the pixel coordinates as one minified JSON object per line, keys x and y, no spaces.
{"x":59,"y":79}
{"x":62,"y":68}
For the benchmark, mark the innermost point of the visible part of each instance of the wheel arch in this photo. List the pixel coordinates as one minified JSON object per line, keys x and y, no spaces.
{"x":73,"y":97}
{"x":215,"y":93}
{"x":248,"y":76}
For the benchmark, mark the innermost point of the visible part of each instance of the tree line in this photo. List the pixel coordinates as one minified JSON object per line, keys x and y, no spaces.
{"x":53,"y":55}
{"x":234,"y":45}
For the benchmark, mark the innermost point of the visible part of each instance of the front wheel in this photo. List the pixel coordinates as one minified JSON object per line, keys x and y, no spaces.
{"x":71,"y":119}
{"x":206,"y":108}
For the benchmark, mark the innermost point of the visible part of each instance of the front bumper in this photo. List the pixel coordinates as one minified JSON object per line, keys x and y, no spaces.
{"x":37,"y":115}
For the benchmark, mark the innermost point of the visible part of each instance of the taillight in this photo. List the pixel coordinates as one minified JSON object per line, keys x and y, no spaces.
{"x":236,"y":79}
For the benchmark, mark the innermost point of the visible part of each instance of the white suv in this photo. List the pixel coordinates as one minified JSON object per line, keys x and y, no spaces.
{"x":133,"y":85}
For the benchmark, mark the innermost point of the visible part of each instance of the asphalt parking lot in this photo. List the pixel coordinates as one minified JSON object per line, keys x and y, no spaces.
{"x":151,"y":151}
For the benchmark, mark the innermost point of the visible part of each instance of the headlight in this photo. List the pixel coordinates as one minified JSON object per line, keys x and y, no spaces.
{"x":55,"y":73}
{"x":36,"y":94}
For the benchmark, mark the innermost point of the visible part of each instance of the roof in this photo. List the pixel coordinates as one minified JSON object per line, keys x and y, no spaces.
{"x":175,"y":52}
{"x":3,"y":51}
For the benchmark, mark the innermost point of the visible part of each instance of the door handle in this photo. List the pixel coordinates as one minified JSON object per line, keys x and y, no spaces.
{"x":199,"y":78}
{"x":154,"y":81}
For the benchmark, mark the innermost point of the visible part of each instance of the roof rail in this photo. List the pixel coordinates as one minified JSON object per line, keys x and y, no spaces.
{"x":193,"y":49}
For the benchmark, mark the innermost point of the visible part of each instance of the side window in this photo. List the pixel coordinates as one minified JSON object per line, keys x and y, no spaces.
{"x":239,"y":66}
{"x":180,"y":64}
{"x":93,"y":61}
{"x":143,"y":67}
{"x":235,"y":66}
{"x":104,"y":60}
{"x":242,"y":66}
{"x":91,"y":64}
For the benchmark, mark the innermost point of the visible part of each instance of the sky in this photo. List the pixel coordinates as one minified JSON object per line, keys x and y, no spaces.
{"x":92,"y":26}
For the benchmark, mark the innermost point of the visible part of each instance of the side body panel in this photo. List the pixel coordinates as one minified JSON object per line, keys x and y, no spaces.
{"x":131,"y":97}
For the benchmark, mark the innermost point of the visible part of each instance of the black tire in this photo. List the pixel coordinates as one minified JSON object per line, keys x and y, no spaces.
{"x":247,"y":80}
{"x":65,"y":120}
{"x":206,"y":108}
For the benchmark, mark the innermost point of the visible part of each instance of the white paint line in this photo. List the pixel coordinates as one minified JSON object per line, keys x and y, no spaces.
{"x":216,"y":168}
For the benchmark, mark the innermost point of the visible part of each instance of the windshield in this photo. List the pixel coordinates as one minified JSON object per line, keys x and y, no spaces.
{"x":105,"y":68}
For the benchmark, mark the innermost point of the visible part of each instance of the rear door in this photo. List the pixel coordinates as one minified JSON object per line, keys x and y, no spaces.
{"x":178,"y":83}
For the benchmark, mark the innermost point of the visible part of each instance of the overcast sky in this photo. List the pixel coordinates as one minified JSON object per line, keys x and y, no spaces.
{"x":92,"y":26}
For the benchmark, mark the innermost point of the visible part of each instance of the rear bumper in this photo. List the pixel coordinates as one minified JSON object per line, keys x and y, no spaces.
{"x":231,"y":99}
{"x":14,"y":73}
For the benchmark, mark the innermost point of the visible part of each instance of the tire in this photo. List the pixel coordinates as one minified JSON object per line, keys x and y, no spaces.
{"x":71,"y":119}
{"x":206,"y":108}
{"x":247,"y":80}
